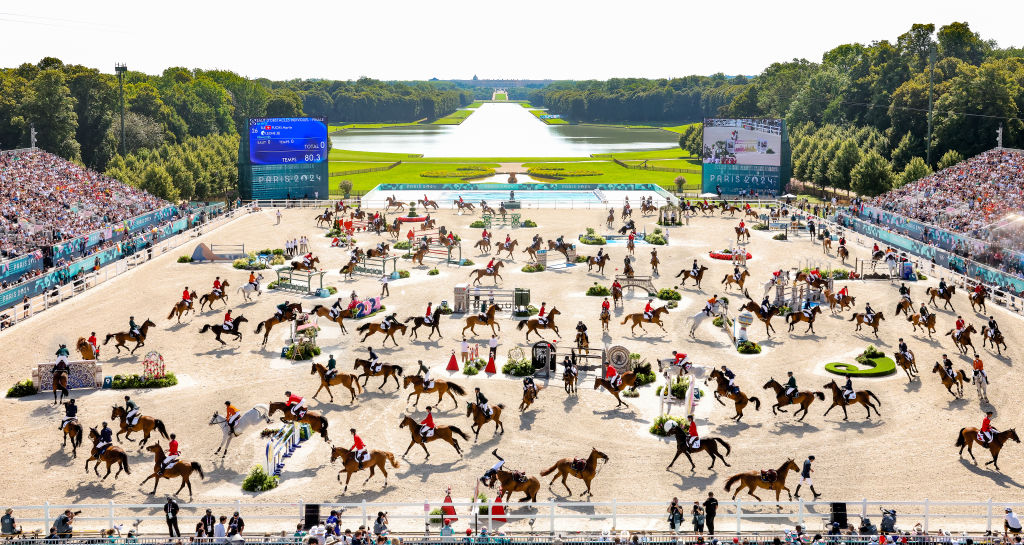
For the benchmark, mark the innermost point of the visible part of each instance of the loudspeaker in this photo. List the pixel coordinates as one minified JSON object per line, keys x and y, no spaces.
{"x":311,"y":516}
{"x":839,"y":514}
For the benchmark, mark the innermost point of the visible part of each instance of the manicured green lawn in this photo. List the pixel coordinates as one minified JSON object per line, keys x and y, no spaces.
{"x":613,"y":173}
{"x":336,"y":128}
{"x":668,"y":163}
{"x":454,"y":118}
{"x":345,"y":166}
{"x":476,"y":104}
{"x":500,"y":96}
{"x":405,"y":173}
{"x":670,"y":153}
{"x":370,"y":156}
{"x":548,"y":121}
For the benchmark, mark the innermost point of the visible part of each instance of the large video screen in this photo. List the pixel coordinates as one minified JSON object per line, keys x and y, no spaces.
{"x":742,"y":156}
{"x":287,"y":140}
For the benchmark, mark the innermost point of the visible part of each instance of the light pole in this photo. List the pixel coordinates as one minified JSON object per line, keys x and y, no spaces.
{"x":120,"y":69}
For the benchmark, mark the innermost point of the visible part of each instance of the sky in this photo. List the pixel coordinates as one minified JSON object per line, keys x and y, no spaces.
{"x":448,"y":39}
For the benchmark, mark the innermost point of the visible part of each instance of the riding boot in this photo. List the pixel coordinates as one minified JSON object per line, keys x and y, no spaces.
{"x":231,"y":428}
{"x":816,"y":495}
{"x":360,"y":465}
{"x":796,"y":493}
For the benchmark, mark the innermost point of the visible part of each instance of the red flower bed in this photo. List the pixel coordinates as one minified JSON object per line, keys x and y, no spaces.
{"x":417,"y":219}
{"x":726,"y":257}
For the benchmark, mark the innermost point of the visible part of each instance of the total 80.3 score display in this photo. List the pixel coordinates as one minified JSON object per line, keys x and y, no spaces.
{"x":287,"y":140}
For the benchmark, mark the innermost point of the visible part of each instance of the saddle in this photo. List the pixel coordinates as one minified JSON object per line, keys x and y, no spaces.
{"x":769,"y":475}
{"x":578,"y":464}
{"x":519,"y":476}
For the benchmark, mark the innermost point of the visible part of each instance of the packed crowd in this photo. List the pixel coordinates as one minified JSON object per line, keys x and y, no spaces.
{"x":45,"y":199}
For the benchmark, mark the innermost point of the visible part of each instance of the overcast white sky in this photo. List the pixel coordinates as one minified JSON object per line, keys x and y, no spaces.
{"x":399,"y":39}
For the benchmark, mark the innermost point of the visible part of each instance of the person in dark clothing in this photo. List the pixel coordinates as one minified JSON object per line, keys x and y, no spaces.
{"x":235,"y":524}
{"x":171,"y":511}
{"x":710,"y":510}
{"x":208,"y":521}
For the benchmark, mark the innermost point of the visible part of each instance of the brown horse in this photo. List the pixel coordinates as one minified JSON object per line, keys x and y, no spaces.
{"x":978,"y":300}
{"x":369,"y":328}
{"x":440,"y":386}
{"x":958,"y":379}
{"x":511,"y":482}
{"x":301,"y":266}
{"x":843,"y":253}
{"x":616,"y":295}
{"x":461,"y":205}
{"x":741,"y":232}
{"x":387,"y":371}
{"x":862,"y":320}
{"x":348,"y":270}
{"x":639,"y":318}
{"x":383,"y":252}
{"x":86,"y":350}
{"x":508,"y":248}
{"x":529,"y":396}
{"x":804,"y":399}
{"x":348,"y":381}
{"x":606,"y":318}
{"x":709,"y":445}
{"x":630,"y":246}
{"x":583,"y":470}
{"x":534,"y":325}
{"x":444,"y":433}
{"x":494,"y":272}
{"x":927,"y":325}
{"x":816,"y":283}
{"x":932,"y":293}
{"x":145,"y":424}
{"x":73,"y":429}
{"x":764,"y":479}
{"x":181,"y":307}
{"x":904,"y":306}
{"x":377,"y":460}
{"x":582,"y":344}
{"x":532,"y":250}
{"x":826,"y":245}
{"x":728,"y":208}
{"x":420,"y":321}
{"x":317,"y":422}
{"x":269,"y":323}
{"x":569,"y":381}
{"x":394,"y":203}
{"x":213,"y":296}
{"x":730,"y":279}
{"x":995,"y":340}
{"x":428,"y":203}
{"x":111,"y":455}
{"x":647,"y":208}
{"x":181,"y":468}
{"x":794,"y":318}
{"x":687,"y":273}
{"x":324,"y":312}
{"x":418,"y":255}
{"x":909,"y":365}
{"x":755,"y":308}
{"x":841,"y":301}
{"x":593,"y":261}
{"x":60,"y":383}
{"x":861,"y":397}
{"x":722,"y":390}
{"x":628,"y":381}
{"x":324,"y":218}
{"x":654,"y":262}
{"x":479,"y":418}
{"x":125,"y":336}
{"x":484,"y":244}
{"x":474,"y":320}
{"x":963,"y":340}
{"x":750,"y":213}
{"x":968,"y":436}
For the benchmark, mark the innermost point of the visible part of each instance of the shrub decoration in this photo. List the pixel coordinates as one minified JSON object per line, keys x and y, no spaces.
{"x":759,"y":227}
{"x":518,"y":368}
{"x":185,"y":259}
{"x":534,"y":267}
{"x":22,"y":389}
{"x":666,"y":294}
{"x":657,"y":238}
{"x":874,"y":362}
{"x":258,"y":480}
{"x":598,"y":290}
{"x":124,"y":382}
{"x":658,"y":427}
{"x":433,"y":272}
{"x":473,"y":367}
{"x":528,"y":223}
{"x":592,"y":238}
{"x":748,"y":347}
{"x":780,"y":236}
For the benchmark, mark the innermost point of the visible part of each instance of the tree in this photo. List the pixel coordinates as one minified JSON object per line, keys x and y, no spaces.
{"x":916,"y":169}
{"x":905,"y":150}
{"x":819,"y":99}
{"x":284,"y":103}
{"x":957,"y":40}
{"x":139,"y":132}
{"x":949,"y":159}
{"x":50,"y":108}
{"x":872,"y":176}
{"x":156,"y":181}
{"x":915,"y":45}
{"x":12,"y":123}
{"x":842,"y":165}
{"x":96,"y":100}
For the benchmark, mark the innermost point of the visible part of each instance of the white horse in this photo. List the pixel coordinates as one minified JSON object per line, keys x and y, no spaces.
{"x":248,"y":288}
{"x":698,"y":318}
{"x":260,"y":414}
{"x":670,"y":371}
{"x":894,"y":265}
{"x":980,"y":381}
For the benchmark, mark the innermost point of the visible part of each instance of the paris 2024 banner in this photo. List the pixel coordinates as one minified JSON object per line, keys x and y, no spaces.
{"x":745,"y":157}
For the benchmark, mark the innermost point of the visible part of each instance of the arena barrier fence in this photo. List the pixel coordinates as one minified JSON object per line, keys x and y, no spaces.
{"x":544,"y":518}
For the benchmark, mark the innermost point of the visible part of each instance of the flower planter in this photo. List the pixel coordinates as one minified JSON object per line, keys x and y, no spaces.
{"x":726,"y":256}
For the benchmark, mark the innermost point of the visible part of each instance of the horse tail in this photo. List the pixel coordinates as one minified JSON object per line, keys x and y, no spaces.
{"x":205,"y":327}
{"x":196,"y":467}
{"x":731,"y":480}
{"x":963,"y":375}
{"x":105,"y":341}
{"x":522,"y":324}
{"x":124,"y":463}
{"x":854,"y":317}
{"x":363,"y":327}
{"x":458,"y":432}
{"x":501,"y":406}
{"x":960,"y":438}
{"x":728,"y":449}
{"x":259,"y":327}
{"x":172,"y":312}
{"x":819,"y":395}
{"x":391,"y":458}
{"x":398,"y":370}
{"x":624,"y":320}
{"x":756,"y":402}
{"x":872,"y":394}
{"x":78,"y":436}
{"x":549,"y":470}
{"x":458,"y":390}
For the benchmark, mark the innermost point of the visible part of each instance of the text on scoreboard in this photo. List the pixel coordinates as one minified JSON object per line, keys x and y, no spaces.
{"x":287,"y":140}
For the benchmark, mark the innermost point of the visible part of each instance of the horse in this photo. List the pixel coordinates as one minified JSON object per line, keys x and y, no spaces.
{"x":968,"y":436}
{"x":213,"y":296}
{"x":464,"y":205}
{"x":816,"y":283}
{"x":181,"y":468}
{"x":529,"y":396}
{"x":977,"y":300}
{"x":639,"y":318}
{"x":440,"y":386}
{"x":72,"y":429}
{"x":479,"y":418}
{"x":804,"y":399}
{"x":731,"y":209}
{"x":927,"y":325}
{"x":259,"y":414}
{"x":862,"y":319}
{"x":377,"y":459}
{"x":909,"y":365}
{"x":112,"y":455}
{"x":750,"y":213}
{"x":963,"y":340}
{"x":532,"y":249}
{"x":616,"y":295}
{"x":369,"y":328}
{"x":688,"y":273}
{"x":593,"y":261}
{"x":582,"y":343}
{"x":383,"y":252}
{"x":755,"y":308}
{"x":510,"y":483}
{"x":428,"y":203}
{"x":904,"y":306}
{"x":843,"y":253}
{"x":741,"y":400}
{"x":760,"y":479}
{"x":585,"y":471}
{"x":569,"y":379}
{"x":60,"y":383}
{"x":560,"y":247}
{"x":348,"y":381}
{"x":387,"y":370}
{"x":606,"y":318}
{"x":324,"y":312}
{"x":980,"y":380}
{"x":630,"y":246}
{"x":794,"y":318}
{"x":534,"y":325}
{"x":484,"y":244}
{"x":183,"y":307}
{"x":995,"y":340}
{"x":486,"y":209}
{"x":145,"y":424}
{"x":958,"y":379}
{"x":731,"y":279}
{"x":420,"y":321}
{"x":348,"y":270}
{"x":699,"y":318}
{"x":317,"y":422}
{"x":654,"y":263}
{"x":647,"y":208}
{"x":324,"y":218}
{"x":826,"y":245}
{"x":124,"y":336}
{"x":248,"y":288}
{"x":628,"y":381}
{"x":741,"y":232}
{"x":269,"y":323}
{"x":474,"y":320}
{"x":861,"y":397}
{"x":507,"y":247}
{"x":709,"y":445}
{"x":301,"y":265}
{"x":932,"y":293}
{"x":842,"y":301}
{"x":494,"y":272}
{"x":610,"y":220}
{"x":394,"y":203}
{"x":444,"y":433}
{"x":86,"y":349}
{"x":218,"y":329}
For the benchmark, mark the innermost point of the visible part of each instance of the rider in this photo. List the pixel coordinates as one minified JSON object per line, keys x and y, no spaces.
{"x":336,"y":308}
{"x":186,"y":296}
{"x":987,"y":431}
{"x":905,"y":291}
{"x":765,"y":305}
{"x":386,"y":323}
{"x":979,"y":369}
{"x":95,"y":345}
{"x":649,"y":310}
{"x":924,"y":312}
{"x":296,"y":405}
{"x":490,"y":266}
{"x":307,"y":259}
{"x":252,"y":280}
{"x":869,"y":313}
{"x":358,"y":449}
{"x":332,"y":367}
{"x":694,"y":269}
{"x":508,"y":239}
{"x":600,"y":254}
{"x":228,"y":321}
{"x":485,"y":235}
{"x":491,"y":474}
{"x":736,"y":273}
{"x":791,"y":389}
{"x":428,"y":382}
{"x":70,"y":413}
{"x":692,"y":440}
{"x":947,"y":366}
{"x":905,"y":351}
{"x":541,"y":319}
{"x":133,"y":328}
{"x":993,"y":327}
{"x":732,"y":388}
{"x":848,"y":393}
{"x":742,"y":225}
{"x":172,"y":456}
{"x":106,"y":438}
{"x":428,"y":313}
{"x":216,"y":286}
{"x":979,"y":289}
{"x":131,"y":412}
{"x":815,"y":275}
{"x":942,"y":286}
{"x":528,"y":385}
{"x":844,"y":292}
{"x":481,"y":402}
{"x":611,"y":374}
{"x":62,"y":354}
{"x":616,"y":285}
{"x":427,"y":425}
{"x":874,"y":249}
{"x":960,"y":326}
{"x":581,"y":328}
{"x":281,"y":309}
{"x":375,"y":364}
{"x":709,"y":307}
{"x":605,"y":306}
{"x":570,"y":369}
{"x":681,"y":360}
{"x":231,"y":414}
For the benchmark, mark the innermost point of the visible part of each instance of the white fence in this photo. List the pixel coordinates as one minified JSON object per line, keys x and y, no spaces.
{"x":543,"y":517}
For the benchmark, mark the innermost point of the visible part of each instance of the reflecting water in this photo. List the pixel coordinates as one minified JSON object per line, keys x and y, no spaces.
{"x":504,"y":130}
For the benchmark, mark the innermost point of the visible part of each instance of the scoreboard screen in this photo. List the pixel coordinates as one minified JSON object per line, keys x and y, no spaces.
{"x":287,"y":140}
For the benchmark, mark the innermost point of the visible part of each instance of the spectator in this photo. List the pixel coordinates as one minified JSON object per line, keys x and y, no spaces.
{"x":333,"y":523}
{"x":220,"y":530}
{"x":380,"y":526}
{"x":319,"y":532}
{"x":299,"y":531}
{"x":710,"y":510}
{"x":1011,"y":524}
{"x":675,"y":515}
{"x":8,"y":526}
{"x":208,"y":521}
{"x":52,"y":537}
{"x":493,"y":346}
{"x":64,"y":522}
{"x":464,"y":349}
{"x":200,"y":530}
{"x":235,"y":524}
{"x":171,"y":512}
{"x":111,"y":538}
{"x":697,"y":513}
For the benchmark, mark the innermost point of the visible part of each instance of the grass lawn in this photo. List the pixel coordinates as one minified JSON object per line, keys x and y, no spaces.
{"x":369,"y":156}
{"x":476,"y":104}
{"x":548,"y":121}
{"x":652,"y":125}
{"x":345,"y":166}
{"x":336,"y":128}
{"x":454,"y":118}
{"x":668,"y":163}
{"x":405,"y":173}
{"x":670,"y":153}
{"x":613,"y":173}
{"x":500,"y":96}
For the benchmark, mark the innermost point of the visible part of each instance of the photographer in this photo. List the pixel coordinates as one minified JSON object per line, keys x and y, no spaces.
{"x":675,"y":515}
{"x":380,"y":526}
{"x":63,"y":523}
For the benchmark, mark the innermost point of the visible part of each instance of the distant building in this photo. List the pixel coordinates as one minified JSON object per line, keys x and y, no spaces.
{"x":501,"y":83}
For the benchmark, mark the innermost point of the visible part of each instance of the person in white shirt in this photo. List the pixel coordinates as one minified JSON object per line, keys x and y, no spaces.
{"x":220,"y":531}
{"x":1011,"y":524}
{"x":464,"y":348}
{"x":493,"y":345}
